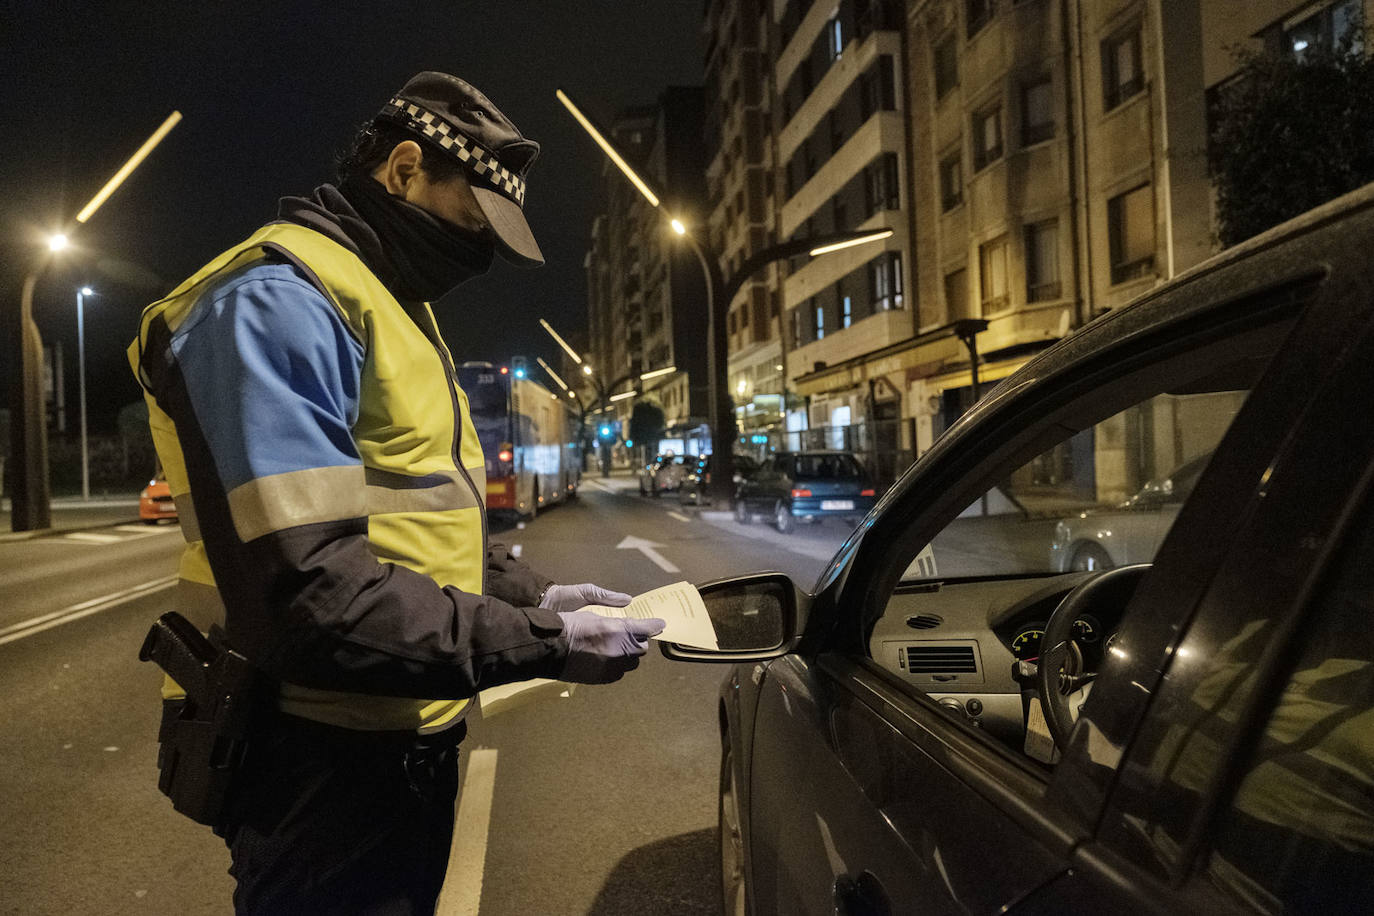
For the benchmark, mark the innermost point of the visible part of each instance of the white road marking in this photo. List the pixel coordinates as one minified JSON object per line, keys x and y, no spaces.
{"x":90,"y":537}
{"x":147,"y":530}
{"x":647,"y":548}
{"x":679,"y":516}
{"x":84,"y":609}
{"x":462,"y":891}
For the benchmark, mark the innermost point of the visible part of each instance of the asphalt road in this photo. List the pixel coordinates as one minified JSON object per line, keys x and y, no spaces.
{"x":601,"y":802}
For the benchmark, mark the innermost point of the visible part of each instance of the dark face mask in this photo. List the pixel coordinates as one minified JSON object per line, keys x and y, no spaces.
{"x":427,"y":256}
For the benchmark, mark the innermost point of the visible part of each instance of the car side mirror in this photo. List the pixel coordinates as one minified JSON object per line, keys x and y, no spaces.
{"x":756,"y":617}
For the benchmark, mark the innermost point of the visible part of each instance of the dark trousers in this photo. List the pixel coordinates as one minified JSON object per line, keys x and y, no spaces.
{"x":327,"y":820}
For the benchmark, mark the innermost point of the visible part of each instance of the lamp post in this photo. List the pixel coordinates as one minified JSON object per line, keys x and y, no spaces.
{"x":31,"y":502}
{"x":81,"y":295}
{"x":719,"y":293}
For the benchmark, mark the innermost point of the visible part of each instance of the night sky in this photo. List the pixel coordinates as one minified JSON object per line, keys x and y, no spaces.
{"x":270,"y":94}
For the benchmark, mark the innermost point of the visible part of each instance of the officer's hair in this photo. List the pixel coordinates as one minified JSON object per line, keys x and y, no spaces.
{"x":375,"y":140}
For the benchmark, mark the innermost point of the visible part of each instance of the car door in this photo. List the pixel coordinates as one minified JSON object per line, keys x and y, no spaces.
{"x":1249,"y":782}
{"x":872,"y":791}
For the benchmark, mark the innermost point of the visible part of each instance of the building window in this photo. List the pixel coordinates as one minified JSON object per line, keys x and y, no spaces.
{"x":880,"y":184}
{"x":951,"y":180}
{"x":877,"y":88}
{"x":885,"y":281}
{"x":1042,"y":261}
{"x":1131,"y":234}
{"x":1037,"y":112}
{"x":987,"y":137}
{"x":834,"y":31}
{"x":1337,"y":26}
{"x":956,"y":294}
{"x":798,"y":337}
{"x":978,"y":13}
{"x":946,"y":66}
{"x":731,"y":322}
{"x":820,"y":321}
{"x":1121,"y":73}
{"x":846,"y":308}
{"x":992,"y":275}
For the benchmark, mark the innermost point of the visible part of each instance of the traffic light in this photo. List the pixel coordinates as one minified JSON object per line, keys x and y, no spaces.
{"x":605,"y":431}
{"x":518,"y":367}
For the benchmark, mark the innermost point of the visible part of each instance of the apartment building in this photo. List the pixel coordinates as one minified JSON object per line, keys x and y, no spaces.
{"x":841,"y":122}
{"x":741,"y":191}
{"x":646,"y":291}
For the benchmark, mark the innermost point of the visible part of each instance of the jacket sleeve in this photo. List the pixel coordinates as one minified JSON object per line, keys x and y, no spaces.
{"x":511,"y":580}
{"x":262,"y":381}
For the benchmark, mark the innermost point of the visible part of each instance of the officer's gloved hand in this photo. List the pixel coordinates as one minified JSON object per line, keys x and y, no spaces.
{"x":602,"y":649}
{"x":575,"y":597}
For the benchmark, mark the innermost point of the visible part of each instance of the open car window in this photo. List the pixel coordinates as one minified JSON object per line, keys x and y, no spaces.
{"x":1099,"y":485}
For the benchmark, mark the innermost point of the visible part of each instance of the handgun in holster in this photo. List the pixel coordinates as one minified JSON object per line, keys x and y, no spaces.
{"x":203,"y":735}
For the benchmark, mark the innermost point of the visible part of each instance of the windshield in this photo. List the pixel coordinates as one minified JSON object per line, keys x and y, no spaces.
{"x":488,"y":400}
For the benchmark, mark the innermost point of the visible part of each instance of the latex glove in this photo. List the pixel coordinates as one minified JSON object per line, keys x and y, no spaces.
{"x":575,"y":597}
{"x":602,"y":649}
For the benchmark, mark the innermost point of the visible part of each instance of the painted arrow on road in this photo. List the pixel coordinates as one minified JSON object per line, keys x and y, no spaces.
{"x":647,"y":548}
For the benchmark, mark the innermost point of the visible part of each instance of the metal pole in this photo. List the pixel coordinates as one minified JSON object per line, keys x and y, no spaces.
{"x":722,"y":409}
{"x":81,"y":375}
{"x":29,"y":495}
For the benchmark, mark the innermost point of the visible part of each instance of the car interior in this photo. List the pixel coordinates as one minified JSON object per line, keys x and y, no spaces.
{"x":982,"y":620}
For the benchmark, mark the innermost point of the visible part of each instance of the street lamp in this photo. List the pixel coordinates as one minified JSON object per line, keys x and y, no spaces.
{"x":30,"y":499}
{"x":81,"y":295}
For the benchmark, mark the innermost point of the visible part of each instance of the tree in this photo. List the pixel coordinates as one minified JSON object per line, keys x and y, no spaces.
{"x":133,"y":430}
{"x":1289,"y":134}
{"x":647,"y":423}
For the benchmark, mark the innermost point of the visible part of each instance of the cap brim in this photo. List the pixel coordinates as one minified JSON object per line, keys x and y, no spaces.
{"x":515,"y":241}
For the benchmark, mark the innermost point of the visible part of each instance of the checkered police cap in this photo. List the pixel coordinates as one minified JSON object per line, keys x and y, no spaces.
{"x":462,"y":122}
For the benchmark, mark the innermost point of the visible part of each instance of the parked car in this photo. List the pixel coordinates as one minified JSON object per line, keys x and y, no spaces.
{"x":695,"y":489}
{"x":947,"y":723}
{"x":662,"y":475}
{"x":806,"y":485}
{"x":155,"y":501}
{"x":1101,"y":539}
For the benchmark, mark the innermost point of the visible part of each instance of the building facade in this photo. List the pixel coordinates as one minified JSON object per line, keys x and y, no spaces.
{"x":841,"y":140}
{"x":646,"y":291}
{"x":741,"y":191}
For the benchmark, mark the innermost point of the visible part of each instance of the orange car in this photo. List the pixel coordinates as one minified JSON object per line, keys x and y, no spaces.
{"x":155,"y":502}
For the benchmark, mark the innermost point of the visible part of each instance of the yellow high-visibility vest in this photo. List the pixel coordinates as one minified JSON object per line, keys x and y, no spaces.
{"x":424,"y":509}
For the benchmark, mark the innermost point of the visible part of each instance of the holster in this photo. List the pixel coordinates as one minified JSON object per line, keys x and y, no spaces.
{"x":203,"y":736}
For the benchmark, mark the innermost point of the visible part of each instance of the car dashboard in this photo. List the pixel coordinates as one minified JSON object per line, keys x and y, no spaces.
{"x":960,"y":641}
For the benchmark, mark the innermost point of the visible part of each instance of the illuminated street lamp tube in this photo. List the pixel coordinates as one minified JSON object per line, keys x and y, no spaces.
{"x":553,"y":375}
{"x":850,"y":243}
{"x":622,"y":396}
{"x":142,"y":153}
{"x":657,"y":372}
{"x":607,"y":148}
{"x":561,"y":342}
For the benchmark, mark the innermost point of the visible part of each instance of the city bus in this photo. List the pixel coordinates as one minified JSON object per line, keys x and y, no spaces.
{"x":529,"y":436}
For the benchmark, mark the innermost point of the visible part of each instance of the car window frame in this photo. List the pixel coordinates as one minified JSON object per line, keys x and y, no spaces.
{"x":1126,"y":359}
{"x":1290,"y":489}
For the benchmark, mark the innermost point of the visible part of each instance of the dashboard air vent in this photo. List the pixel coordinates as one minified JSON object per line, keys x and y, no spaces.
{"x":924,"y":621}
{"x":940,"y":660}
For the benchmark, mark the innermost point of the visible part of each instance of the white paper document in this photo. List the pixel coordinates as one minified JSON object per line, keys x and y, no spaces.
{"x":679,"y":606}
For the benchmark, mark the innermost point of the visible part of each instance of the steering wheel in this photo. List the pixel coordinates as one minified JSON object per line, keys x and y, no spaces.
{"x":1105,"y":596}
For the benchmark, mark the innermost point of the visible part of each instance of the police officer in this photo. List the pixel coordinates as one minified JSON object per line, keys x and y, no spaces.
{"x":330,"y":485}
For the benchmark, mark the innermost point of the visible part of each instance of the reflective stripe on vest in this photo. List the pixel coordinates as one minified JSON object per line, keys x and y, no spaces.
{"x":424,"y":509}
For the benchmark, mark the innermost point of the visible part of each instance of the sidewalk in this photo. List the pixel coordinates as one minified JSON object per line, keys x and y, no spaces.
{"x":72,"y":513}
